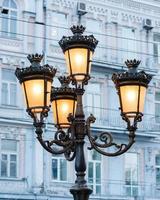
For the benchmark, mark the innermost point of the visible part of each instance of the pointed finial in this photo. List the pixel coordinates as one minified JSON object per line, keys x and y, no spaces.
{"x":65,"y":81}
{"x":132,"y":63}
{"x":35,"y":58}
{"x":77,"y":29}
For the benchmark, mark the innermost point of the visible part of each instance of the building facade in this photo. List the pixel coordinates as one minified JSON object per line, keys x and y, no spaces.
{"x":126,"y":29}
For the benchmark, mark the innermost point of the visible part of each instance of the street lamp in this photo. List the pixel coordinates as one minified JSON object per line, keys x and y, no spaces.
{"x":78,"y":50}
{"x":63,"y":102}
{"x":69,"y":118}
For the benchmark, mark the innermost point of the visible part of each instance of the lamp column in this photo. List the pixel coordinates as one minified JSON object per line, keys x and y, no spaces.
{"x":80,"y":190}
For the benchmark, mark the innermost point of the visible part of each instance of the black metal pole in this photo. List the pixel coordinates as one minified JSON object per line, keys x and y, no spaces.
{"x":80,"y":190}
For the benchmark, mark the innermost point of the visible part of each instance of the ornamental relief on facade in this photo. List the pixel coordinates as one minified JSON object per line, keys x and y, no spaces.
{"x":129,"y":4}
{"x":11,"y":61}
{"x":10,"y":44}
{"x":11,"y":132}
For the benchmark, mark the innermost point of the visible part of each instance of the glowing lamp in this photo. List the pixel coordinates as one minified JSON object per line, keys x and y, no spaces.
{"x":78,"y":50}
{"x":63,"y":103}
{"x":36,"y":82}
{"x":131,"y":87}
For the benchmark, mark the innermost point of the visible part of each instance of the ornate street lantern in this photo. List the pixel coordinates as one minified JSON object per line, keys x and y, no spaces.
{"x":78,"y":50}
{"x":36,"y":82}
{"x":63,"y":103}
{"x":131,"y":87}
{"x":67,"y":104}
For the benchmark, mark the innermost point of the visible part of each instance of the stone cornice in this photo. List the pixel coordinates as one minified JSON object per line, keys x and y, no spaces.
{"x":138,"y":6}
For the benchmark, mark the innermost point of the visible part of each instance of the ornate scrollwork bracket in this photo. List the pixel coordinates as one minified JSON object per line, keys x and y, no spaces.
{"x":63,"y":142}
{"x":105,"y":140}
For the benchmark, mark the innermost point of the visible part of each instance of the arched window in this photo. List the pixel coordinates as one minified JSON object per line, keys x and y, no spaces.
{"x":9,"y":18}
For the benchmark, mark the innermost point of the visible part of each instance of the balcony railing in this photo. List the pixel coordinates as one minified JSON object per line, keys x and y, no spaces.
{"x":110,"y":118}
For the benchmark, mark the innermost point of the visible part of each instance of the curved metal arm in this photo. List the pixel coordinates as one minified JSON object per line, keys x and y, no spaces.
{"x":62,"y":139}
{"x":106,"y":140}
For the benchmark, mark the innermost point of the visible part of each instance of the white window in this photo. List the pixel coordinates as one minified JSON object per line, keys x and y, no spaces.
{"x":128,"y":44}
{"x":93,"y":96}
{"x":59,"y":168}
{"x":9,"y":18}
{"x":131,"y":174}
{"x":96,"y":26}
{"x":8,"y":165}
{"x":60,"y":23}
{"x":157,"y":107}
{"x":156,"y":47}
{"x":94,"y":172}
{"x":8,"y":88}
{"x":157,"y":161}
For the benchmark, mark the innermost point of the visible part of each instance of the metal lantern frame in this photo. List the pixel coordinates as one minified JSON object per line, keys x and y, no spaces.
{"x":78,"y":40}
{"x":70,"y":142}
{"x":63,"y":93}
{"x":131,"y":78}
{"x":36,"y":72}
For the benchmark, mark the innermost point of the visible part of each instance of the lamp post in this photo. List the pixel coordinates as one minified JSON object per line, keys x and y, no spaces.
{"x":69,"y":118}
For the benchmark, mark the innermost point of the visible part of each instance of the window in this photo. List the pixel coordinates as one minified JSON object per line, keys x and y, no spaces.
{"x":157,"y":107}
{"x":131,"y":174}
{"x":157,"y":161}
{"x":59,"y":168}
{"x":156,"y":47}
{"x":128,"y":44}
{"x":9,"y":88}
{"x":9,"y":18}
{"x":60,"y":21}
{"x":90,"y":26}
{"x":94,"y":172}
{"x":94,"y":99}
{"x":8,"y":165}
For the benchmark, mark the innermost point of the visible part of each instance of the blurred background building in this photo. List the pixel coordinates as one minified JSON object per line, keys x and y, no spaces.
{"x":126,"y":29}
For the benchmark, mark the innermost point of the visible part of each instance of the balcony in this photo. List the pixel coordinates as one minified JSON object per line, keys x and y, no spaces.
{"x":114,"y":58}
{"x":110,"y":119}
{"x":117,"y":189}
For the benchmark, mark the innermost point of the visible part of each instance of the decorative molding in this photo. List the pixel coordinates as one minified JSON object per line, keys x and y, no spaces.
{"x":99,"y":9}
{"x":11,"y":60}
{"x":8,"y":132}
{"x":10,"y":44}
{"x":118,"y":11}
{"x":64,"y":3}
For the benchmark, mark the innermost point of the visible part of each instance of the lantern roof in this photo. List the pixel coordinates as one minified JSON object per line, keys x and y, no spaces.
{"x":132,"y":75}
{"x":35,"y":71}
{"x":78,"y":40}
{"x":64,"y":90}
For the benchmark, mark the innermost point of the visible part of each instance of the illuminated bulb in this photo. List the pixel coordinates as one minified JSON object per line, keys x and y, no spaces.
{"x":131,"y":96}
{"x":64,"y":107}
{"x":37,"y":89}
{"x":78,"y":59}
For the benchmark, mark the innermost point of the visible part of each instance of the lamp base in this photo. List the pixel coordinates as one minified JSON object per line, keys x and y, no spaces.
{"x":80,"y":192}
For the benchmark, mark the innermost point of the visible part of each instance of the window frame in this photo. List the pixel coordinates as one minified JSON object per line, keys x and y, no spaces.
{"x":9,"y":20}
{"x":128,"y":43}
{"x":9,"y":153}
{"x":9,"y":94}
{"x":59,"y":158}
{"x":94,"y":183}
{"x":132,"y":186}
{"x":156,"y":48}
{"x":93,"y":109}
{"x":61,"y":26}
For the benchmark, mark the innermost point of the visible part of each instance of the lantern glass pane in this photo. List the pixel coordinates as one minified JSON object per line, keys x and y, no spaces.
{"x":142,"y":98}
{"x":77,"y":60}
{"x":35,"y":94}
{"x":129,"y":98}
{"x":64,"y":107}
